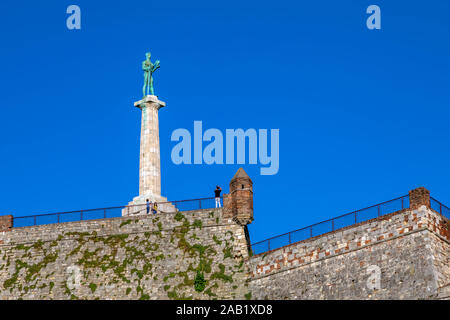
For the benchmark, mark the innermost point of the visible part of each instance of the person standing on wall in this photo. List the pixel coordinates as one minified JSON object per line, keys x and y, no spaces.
{"x":217,"y":194}
{"x":148,"y":206}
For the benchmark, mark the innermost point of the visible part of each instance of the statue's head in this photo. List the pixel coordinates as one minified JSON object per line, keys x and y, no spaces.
{"x":148,"y":55}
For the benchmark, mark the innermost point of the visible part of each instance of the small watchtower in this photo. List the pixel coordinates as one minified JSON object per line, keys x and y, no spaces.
{"x":239,"y":203}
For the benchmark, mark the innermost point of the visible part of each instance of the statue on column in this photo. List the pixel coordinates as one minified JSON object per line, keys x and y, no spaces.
{"x":148,"y":67}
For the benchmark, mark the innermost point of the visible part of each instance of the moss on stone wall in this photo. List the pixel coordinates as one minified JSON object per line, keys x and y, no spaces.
{"x":130,"y":259}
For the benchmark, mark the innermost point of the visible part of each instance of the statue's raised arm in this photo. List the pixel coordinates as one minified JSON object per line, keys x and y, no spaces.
{"x":156,"y":65}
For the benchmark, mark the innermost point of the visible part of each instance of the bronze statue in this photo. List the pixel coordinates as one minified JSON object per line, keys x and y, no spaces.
{"x":149,"y":68}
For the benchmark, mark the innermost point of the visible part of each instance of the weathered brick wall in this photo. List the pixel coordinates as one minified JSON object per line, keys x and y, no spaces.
{"x":399,"y":256}
{"x":419,"y":197}
{"x":6,"y":223}
{"x":142,"y":257}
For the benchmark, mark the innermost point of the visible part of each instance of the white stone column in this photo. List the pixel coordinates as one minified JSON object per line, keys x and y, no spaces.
{"x":149,"y":160}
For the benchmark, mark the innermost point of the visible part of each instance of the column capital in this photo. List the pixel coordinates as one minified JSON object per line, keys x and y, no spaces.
{"x":150,"y":101}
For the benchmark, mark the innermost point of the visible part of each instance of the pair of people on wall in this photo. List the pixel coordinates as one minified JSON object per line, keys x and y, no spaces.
{"x":153,"y":207}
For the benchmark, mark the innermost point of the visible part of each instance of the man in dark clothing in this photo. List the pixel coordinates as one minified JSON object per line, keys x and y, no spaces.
{"x":217,"y":194}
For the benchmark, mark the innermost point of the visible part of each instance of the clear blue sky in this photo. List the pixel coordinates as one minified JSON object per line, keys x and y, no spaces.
{"x":363,"y":115}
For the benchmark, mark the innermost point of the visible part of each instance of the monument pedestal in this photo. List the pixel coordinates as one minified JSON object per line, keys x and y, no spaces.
{"x":149,"y":161}
{"x":139,"y":205}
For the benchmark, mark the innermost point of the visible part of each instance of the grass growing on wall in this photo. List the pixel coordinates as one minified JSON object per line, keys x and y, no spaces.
{"x":136,"y":259}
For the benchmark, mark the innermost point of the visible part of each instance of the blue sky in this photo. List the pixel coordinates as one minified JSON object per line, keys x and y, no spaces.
{"x":363,"y":115}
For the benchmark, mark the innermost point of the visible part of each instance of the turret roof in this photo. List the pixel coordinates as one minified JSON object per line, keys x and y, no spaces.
{"x":241,"y":174}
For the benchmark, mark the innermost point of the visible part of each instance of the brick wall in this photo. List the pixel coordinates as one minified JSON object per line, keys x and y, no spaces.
{"x":419,"y":197}
{"x":404,"y":255}
{"x":6,"y":223}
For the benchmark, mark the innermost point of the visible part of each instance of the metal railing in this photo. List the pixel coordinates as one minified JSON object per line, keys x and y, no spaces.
{"x":207,"y":203}
{"x":103,"y":213}
{"x":330,"y":225}
{"x":439,"y":207}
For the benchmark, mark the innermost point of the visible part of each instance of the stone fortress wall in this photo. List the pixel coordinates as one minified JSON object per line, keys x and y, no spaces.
{"x":144,"y":257}
{"x":404,"y":255}
{"x":204,"y":254}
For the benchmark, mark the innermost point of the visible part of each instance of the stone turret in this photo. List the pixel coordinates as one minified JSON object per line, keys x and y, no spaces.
{"x":419,"y":197}
{"x":238,"y":204}
{"x":6,"y":223}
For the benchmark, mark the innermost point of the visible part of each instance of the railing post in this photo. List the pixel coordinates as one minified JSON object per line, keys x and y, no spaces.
{"x":402,"y":204}
{"x":81,"y":215}
{"x":58,"y":217}
{"x":34,"y":220}
{"x":289,"y":238}
{"x":310,"y":231}
{"x":378,"y":210}
{"x":104,"y":213}
{"x":332,"y":224}
{"x":268,"y":245}
{"x":440,"y":208}
{"x":200,"y":204}
{"x":355,"y":216}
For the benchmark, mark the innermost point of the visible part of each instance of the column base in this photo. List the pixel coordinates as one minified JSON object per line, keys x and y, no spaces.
{"x":138,"y":206}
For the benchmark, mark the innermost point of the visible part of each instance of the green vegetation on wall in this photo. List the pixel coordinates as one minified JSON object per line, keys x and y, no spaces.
{"x":99,"y":263}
